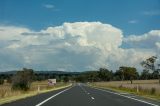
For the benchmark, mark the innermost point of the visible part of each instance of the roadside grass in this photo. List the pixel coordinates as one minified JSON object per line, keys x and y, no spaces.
{"x":8,"y":95}
{"x":145,"y":88}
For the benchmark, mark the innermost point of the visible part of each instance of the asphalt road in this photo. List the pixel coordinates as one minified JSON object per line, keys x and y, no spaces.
{"x":81,"y":95}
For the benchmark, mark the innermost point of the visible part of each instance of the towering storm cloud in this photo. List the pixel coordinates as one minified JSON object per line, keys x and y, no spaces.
{"x":77,"y":46}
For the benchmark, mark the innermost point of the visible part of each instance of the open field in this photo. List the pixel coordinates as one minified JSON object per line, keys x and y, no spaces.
{"x":147,"y":88}
{"x":7,"y":94}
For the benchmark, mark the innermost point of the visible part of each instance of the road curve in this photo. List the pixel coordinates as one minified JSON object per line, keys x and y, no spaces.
{"x":82,"y":95}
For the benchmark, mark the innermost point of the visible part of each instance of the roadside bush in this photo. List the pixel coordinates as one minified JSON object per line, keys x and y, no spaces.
{"x":1,"y":81}
{"x":120,"y":86}
{"x":9,"y":80}
{"x":22,"y":80}
{"x":66,"y":79}
{"x":153,"y":91}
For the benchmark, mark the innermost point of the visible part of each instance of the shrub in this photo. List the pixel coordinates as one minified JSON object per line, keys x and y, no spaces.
{"x":22,"y":80}
{"x":66,"y":79}
{"x":120,"y":86}
{"x":9,"y":80}
{"x":153,"y":91}
{"x":1,"y":81}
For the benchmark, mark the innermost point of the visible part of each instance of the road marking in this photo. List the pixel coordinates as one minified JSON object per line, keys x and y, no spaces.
{"x":132,"y":96}
{"x":127,"y":97}
{"x":92,"y":97}
{"x":82,"y":88}
{"x":52,"y":97}
{"x":124,"y":93}
{"x":86,"y":92}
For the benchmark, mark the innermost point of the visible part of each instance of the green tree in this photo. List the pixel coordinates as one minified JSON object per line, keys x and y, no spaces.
{"x":22,"y":79}
{"x":92,"y":76}
{"x":118,"y":75}
{"x":81,"y":78}
{"x":155,"y":74}
{"x":65,"y":78}
{"x":1,"y":81}
{"x":158,"y":71}
{"x":145,"y":74}
{"x":104,"y":74}
{"x":149,"y":64}
{"x":128,"y":73}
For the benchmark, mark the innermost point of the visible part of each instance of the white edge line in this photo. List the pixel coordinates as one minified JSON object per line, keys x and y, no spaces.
{"x":52,"y":97}
{"x":128,"y":97}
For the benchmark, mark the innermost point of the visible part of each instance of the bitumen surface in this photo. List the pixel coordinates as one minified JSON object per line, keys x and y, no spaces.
{"x":83,"y":95}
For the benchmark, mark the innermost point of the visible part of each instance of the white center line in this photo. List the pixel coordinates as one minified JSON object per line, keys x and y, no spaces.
{"x":92,"y":97}
{"x":52,"y":97}
{"x":82,"y":88}
{"x":86,"y":92}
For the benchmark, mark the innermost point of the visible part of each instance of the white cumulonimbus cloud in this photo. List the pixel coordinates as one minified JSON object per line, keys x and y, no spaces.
{"x":147,"y":40}
{"x":78,"y":46}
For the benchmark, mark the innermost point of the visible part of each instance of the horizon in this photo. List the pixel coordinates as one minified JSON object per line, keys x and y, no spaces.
{"x":74,"y":36}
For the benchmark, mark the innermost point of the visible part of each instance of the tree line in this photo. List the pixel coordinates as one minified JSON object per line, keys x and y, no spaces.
{"x":22,"y":79}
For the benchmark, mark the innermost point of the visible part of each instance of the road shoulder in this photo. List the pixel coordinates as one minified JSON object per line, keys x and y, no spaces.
{"x":30,"y":94}
{"x":127,"y":94}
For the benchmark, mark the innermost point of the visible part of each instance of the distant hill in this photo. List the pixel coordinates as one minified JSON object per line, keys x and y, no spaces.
{"x":46,"y":72}
{"x":56,"y":72}
{"x":8,"y":72}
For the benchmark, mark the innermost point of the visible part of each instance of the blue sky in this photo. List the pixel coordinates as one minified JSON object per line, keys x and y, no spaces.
{"x":78,"y":35}
{"x":132,"y":16}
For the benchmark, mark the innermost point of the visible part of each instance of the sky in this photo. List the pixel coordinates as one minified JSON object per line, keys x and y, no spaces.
{"x":78,"y":35}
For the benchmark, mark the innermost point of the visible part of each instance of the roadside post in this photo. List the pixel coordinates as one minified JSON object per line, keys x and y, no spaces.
{"x":38,"y":88}
{"x":137,"y":88}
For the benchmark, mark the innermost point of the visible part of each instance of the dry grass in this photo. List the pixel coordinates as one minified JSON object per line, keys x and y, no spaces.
{"x":145,"y":87}
{"x":7,"y":92}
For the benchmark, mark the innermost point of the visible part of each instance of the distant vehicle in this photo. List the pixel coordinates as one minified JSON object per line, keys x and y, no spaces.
{"x":51,"y":81}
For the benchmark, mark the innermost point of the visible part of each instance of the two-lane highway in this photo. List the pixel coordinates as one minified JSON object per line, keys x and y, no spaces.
{"x":81,"y":95}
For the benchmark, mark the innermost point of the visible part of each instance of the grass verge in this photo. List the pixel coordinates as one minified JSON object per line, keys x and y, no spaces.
{"x":31,"y":93}
{"x":129,"y":91}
